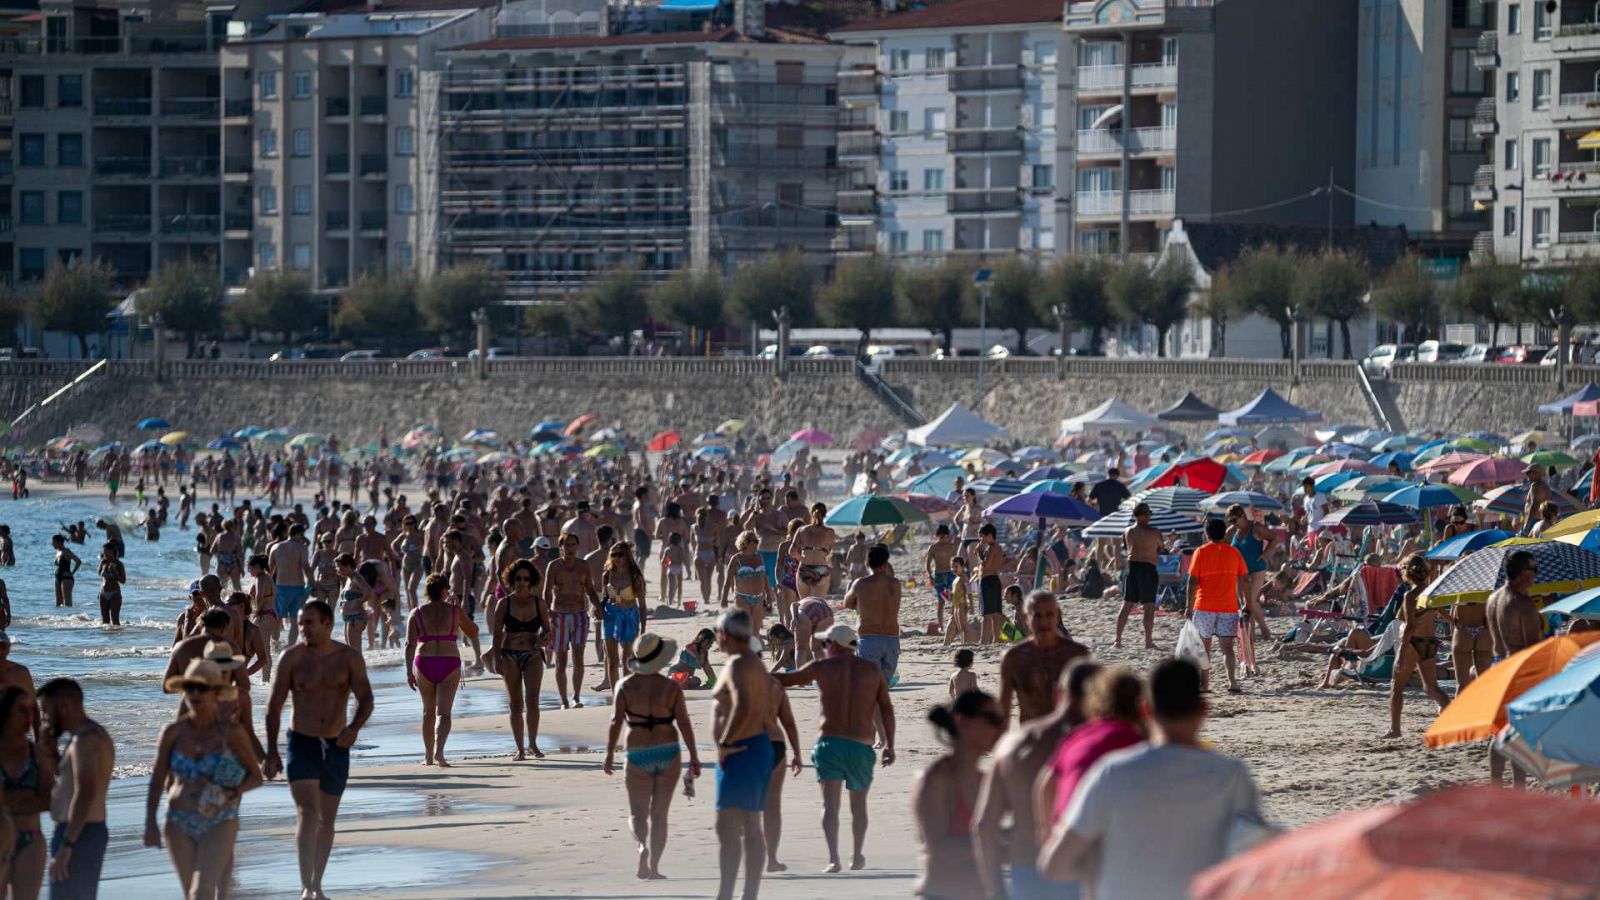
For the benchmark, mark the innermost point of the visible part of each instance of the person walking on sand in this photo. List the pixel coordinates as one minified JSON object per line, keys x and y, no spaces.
{"x":432,"y":635}
{"x":876,"y":598}
{"x":1217,"y":574}
{"x":812,"y":548}
{"x":937,"y":564}
{"x":1141,"y":581}
{"x":1418,"y":649}
{"x":852,"y":694}
{"x":78,"y":802}
{"x":520,"y":627}
{"x":744,"y":755}
{"x":785,"y":736}
{"x":205,"y":761}
{"x":322,"y":674}
{"x":945,"y":794}
{"x":1030,"y":670}
{"x":624,"y":611}
{"x":651,"y":705}
{"x":569,"y":595}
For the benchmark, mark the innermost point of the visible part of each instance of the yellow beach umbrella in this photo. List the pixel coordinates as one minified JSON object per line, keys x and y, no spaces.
{"x":174,"y":438}
{"x":732,"y":426}
{"x":1579,"y":523}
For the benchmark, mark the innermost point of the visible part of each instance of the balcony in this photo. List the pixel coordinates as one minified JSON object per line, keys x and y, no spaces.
{"x":1577,"y":38}
{"x":336,"y":164}
{"x":858,"y":84}
{"x":1575,"y":177}
{"x":335,"y":277}
{"x":237,"y":109}
{"x":858,"y":143}
{"x":1576,"y":237}
{"x":122,"y":106}
{"x":190,"y":166}
{"x":1108,"y":204}
{"x":761,"y":156}
{"x":983,"y":200}
{"x":1483,"y":183}
{"x":858,"y":202}
{"x":337,"y":220}
{"x":1097,"y":141}
{"x":1487,"y":54}
{"x":336,"y":107}
{"x":1483,"y":116}
{"x":192,"y":107}
{"x":374,"y":105}
{"x":1584,"y":105}
{"x":374,"y":165}
{"x":190,"y":225}
{"x":985,"y":79}
{"x":854,"y":240}
{"x":237,"y":222}
{"x":1090,"y":15}
{"x":238,"y":165}
{"x":133,"y":166}
{"x":1144,"y":76}
{"x":983,"y":140}
{"x":122,"y":224}
{"x":235,"y":277}
{"x":374,"y":220}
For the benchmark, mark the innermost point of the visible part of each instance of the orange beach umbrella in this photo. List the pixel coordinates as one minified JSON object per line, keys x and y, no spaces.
{"x":1479,"y":711}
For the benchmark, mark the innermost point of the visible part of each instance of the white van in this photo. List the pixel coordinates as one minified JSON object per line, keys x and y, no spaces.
{"x":877,"y":353}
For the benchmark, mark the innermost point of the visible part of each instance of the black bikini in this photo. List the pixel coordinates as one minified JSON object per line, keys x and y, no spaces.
{"x":514,"y":625}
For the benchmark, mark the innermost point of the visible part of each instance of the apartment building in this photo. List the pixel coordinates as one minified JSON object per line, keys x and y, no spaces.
{"x":949,"y":133}
{"x":110,"y":127}
{"x":563,"y":157}
{"x":1543,"y":119}
{"x":326,"y":169}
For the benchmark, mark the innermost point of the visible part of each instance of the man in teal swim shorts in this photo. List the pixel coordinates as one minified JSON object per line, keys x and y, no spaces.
{"x":851,"y":692}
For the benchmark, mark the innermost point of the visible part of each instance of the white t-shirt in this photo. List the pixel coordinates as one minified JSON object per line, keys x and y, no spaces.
{"x":1159,"y":816}
{"x":1313,"y":504}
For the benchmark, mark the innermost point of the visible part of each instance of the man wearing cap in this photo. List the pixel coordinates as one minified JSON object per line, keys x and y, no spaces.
{"x":745,"y":755}
{"x":1538,"y":493}
{"x":852,"y":692}
{"x":876,"y":598}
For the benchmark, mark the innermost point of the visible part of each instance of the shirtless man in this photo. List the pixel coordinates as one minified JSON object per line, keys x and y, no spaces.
{"x":937,"y":564}
{"x":644,"y":522}
{"x":372,"y":544}
{"x":991,"y":560}
{"x":1514,"y":624}
{"x":743,"y":702}
{"x":228,"y":551}
{"x":459,"y":570}
{"x":1538,"y":493}
{"x":569,"y":594}
{"x":877,"y":600}
{"x":1014,"y":786}
{"x":289,"y":561}
{"x":211,"y":590}
{"x":769,"y":524}
{"x":322,"y":673}
{"x":83,"y":777}
{"x":1144,"y":546}
{"x":596,"y":561}
{"x":583,"y":527}
{"x":852,"y":695}
{"x":213,"y":634}
{"x":15,"y":673}
{"x":1030,"y":671}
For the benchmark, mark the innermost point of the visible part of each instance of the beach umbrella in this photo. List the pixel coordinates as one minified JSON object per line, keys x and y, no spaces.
{"x":1248,"y":499}
{"x":983,"y":457}
{"x":88,"y":432}
{"x":1372,"y":512}
{"x":544,"y":436}
{"x":1462,"y":544}
{"x":1218,"y":434}
{"x":494,"y":457}
{"x":601,"y":450}
{"x":1560,"y":716}
{"x":1399,"y":458}
{"x":665,"y":440}
{"x":274,"y":436}
{"x":937,"y":483}
{"x":1445,"y":458}
{"x":1292,"y":461}
{"x":734,"y":426}
{"x":1582,"y":605}
{"x":872,"y":509}
{"x":154,"y":423}
{"x":1479,"y":709}
{"x":999,"y":487}
{"x":1114,"y":525}
{"x":1339,"y":450}
{"x":249,"y":431}
{"x":481,"y":437}
{"x":224,"y":443}
{"x":712,"y":450}
{"x":1586,"y":444}
{"x":1578,"y":523}
{"x":1477,"y":444}
{"x":1360,"y":467}
{"x":1399,"y":442}
{"x":1552,"y":773}
{"x":708,"y":437}
{"x":863,"y":442}
{"x":579,"y":424}
{"x":1261,"y":457}
{"x":815,"y":437}
{"x":1471,"y":842}
{"x":1047,"y":473}
{"x":1431,"y":496}
{"x":1563,"y":569}
{"x":416,"y":437}
{"x":1202,"y":473}
{"x":556,"y":425}
{"x":1494,"y":470}
{"x":1368,"y":486}
{"x":1538,"y":436}
{"x":150,"y":447}
{"x":1548,"y":458}
{"x":1050,"y":486}
{"x":930,"y":506}
{"x":605,"y":435}
{"x":455,"y":453}
{"x":1369,"y":437}
{"x":1510,"y":500}
{"x":1326,"y":484}
{"x":1035,"y":455}
{"x":1280,"y":436}
{"x":308,"y":439}
{"x":1041,"y":506}
{"x":1170,"y":499}
{"x":174,"y":438}
{"x":787,"y":450}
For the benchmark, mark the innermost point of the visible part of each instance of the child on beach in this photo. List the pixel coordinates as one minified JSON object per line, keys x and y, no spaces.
{"x":855,"y":559}
{"x":962,"y":679}
{"x":112,"y":576}
{"x":1017,"y":627}
{"x":693,"y":660}
{"x":673,"y":560}
{"x":960,"y":616}
{"x":780,"y":643}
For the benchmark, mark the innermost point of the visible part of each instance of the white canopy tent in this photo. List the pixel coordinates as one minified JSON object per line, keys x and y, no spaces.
{"x":957,"y":426}
{"x":1112,"y":415}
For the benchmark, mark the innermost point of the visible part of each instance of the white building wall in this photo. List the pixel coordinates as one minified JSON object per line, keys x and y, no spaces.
{"x":1400,"y":116}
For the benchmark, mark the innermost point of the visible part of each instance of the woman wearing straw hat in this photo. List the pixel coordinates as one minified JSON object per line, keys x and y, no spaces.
{"x":652,"y":706}
{"x":27,"y":777}
{"x":205,"y":762}
{"x":520,"y":626}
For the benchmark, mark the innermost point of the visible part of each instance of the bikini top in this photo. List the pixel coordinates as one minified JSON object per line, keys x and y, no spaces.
{"x":220,"y":767}
{"x":28,"y":780}
{"x":451,"y":636}
{"x":515,"y":625}
{"x":637,"y":721}
{"x":626,"y":594}
{"x":750,"y":572}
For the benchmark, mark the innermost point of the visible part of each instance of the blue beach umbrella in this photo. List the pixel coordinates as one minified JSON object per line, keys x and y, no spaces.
{"x":249,"y":432}
{"x":938,"y":483}
{"x":1050,"y":486}
{"x":1327,"y":483}
{"x":153,"y":424}
{"x":1340,"y":450}
{"x":1431,"y":496}
{"x":224,"y":443}
{"x":1398,"y":457}
{"x":1462,"y":544}
{"x":872,"y":509}
{"x":1042,"y":506}
{"x":712,"y":450}
{"x":1560,"y":716}
{"x":1371,"y":512}
{"x":1582,"y":605}
{"x":556,"y":425}
{"x":1047,"y":473}
{"x":150,"y":447}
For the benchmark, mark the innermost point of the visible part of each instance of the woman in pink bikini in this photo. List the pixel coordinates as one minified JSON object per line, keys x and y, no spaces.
{"x":435,"y":670}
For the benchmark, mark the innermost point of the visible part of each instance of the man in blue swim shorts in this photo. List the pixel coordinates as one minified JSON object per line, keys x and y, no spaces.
{"x":851,"y":691}
{"x":768,"y":523}
{"x":744,"y":753}
{"x":322,"y":674}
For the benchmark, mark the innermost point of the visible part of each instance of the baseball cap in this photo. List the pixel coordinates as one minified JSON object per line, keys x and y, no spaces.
{"x":841,"y":634}
{"x":194,"y":588}
{"x":541,"y":543}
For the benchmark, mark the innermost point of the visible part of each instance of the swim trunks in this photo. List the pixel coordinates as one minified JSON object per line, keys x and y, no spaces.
{"x":842,"y":759}
{"x":744,"y":776}
{"x":1216,"y":624}
{"x":942,"y":583}
{"x":1140,"y":583}
{"x":572,"y":630}
{"x":769,"y":561}
{"x":989,"y":589}
{"x":881,"y":649}
{"x":321,"y":759}
{"x":288,"y":598}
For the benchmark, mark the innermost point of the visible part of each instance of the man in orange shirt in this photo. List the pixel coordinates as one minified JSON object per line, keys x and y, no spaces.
{"x":1217,"y":575}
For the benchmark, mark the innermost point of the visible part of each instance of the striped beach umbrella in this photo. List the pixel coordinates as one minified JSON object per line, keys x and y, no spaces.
{"x":1114,"y":525}
{"x":1563,"y":569}
{"x":1249,"y":499}
{"x":1369,"y":512}
{"x":999,"y":487}
{"x":1047,"y":473}
{"x":1511,"y":498}
{"x":1359,"y":466}
{"x":1261,"y":457}
{"x":1169,"y":499}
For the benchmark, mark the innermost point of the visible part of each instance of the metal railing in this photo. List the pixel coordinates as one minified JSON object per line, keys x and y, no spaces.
{"x":1578,"y":237}
{"x":1109,"y":203}
{"x":190,"y":166}
{"x":858,"y":202}
{"x":858,"y":143}
{"x":1585,"y":103}
{"x":198,"y":107}
{"x":979,"y":200}
{"x":1143,"y":75}
{"x":1143,"y":140}
{"x":905,"y":412}
{"x":983,"y":140}
{"x":1583,"y":29}
{"x":123,"y":106}
{"x":337,"y":219}
{"x":985,"y":78}
{"x":122,"y":224}
{"x":236,"y":108}
{"x":122,"y":165}
{"x":858,"y":84}
{"x":67,"y":390}
{"x":237,"y":222}
{"x":190,"y":223}
{"x":238,"y":165}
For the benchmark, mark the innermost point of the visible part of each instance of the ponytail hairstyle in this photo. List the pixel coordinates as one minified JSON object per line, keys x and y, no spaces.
{"x":818,"y":512}
{"x":945,"y":717}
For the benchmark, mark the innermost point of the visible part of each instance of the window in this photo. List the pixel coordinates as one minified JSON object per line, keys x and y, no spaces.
{"x":1044,"y":53}
{"x":899,"y":121}
{"x":1169,"y":115}
{"x":69,"y":149}
{"x":1541,"y":227}
{"x":933,"y":59}
{"x":1169,"y":178}
{"x":1465,"y":77}
{"x":301,"y":141}
{"x":268,"y":197}
{"x":1091,"y":181}
{"x":300,"y":200}
{"x":1087,"y":115}
{"x":1513,"y":18}
{"x":302,"y":85}
{"x":31,"y":207}
{"x":1541,"y":88}
{"x":1044,"y":239}
{"x":933,"y":179}
{"x":405,"y":140}
{"x":1540,"y":150}
{"x":899,"y":60}
{"x":1044,"y":176}
{"x":897,"y":241}
{"x":406,"y":256}
{"x":1471,"y":14}
{"x":1047,"y":115}
{"x":933,"y":121}
{"x":1541,"y":22}
{"x":898,"y":181}
{"x":402,"y":199}
{"x":269,"y":142}
{"x":1508,"y":221}
{"x":405,"y":83}
{"x":69,"y":207}
{"x":1169,"y":51}
{"x":933,"y":241}
{"x":300,"y":256}
{"x":1101,"y":53}
{"x":1513,"y":86}
{"x":31,"y":262}
{"x":69,"y":91}
{"x":1510,"y":154}
{"x":31,"y":89}
{"x":269,"y":85}
{"x":30,"y":150}
{"x":267,"y":255}
{"x":1458,"y":201}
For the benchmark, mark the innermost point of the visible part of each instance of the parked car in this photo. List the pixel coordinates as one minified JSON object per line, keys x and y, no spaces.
{"x":1521,"y":355}
{"x":1478,"y":354}
{"x":1439,"y":351}
{"x":21,"y":353}
{"x":290,"y":354}
{"x":429,"y":353}
{"x":955,"y":353}
{"x":1579,"y":353}
{"x":770,"y":351}
{"x":823,"y":351}
{"x":494,"y":353}
{"x":1380,"y":361}
{"x":359,"y":356}
{"x":877,"y":353}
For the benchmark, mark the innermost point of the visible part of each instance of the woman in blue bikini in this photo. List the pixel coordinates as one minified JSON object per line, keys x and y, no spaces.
{"x":652,"y":707}
{"x":747,"y":577}
{"x":354,"y":593}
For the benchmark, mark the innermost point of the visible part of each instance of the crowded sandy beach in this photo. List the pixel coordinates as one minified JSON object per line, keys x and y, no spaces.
{"x":582,"y":662}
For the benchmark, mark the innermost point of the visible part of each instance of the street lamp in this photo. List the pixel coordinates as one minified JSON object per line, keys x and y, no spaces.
{"x":982,"y":278}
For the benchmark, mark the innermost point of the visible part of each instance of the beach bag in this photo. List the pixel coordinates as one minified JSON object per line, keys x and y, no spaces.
{"x":1093,"y":585}
{"x":1192,"y":647}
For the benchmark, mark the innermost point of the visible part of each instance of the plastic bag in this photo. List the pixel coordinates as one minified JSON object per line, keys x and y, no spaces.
{"x":1192,"y":647}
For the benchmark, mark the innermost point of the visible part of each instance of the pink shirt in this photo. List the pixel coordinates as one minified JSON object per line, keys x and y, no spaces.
{"x":1082,"y":749}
